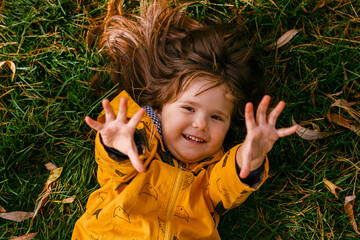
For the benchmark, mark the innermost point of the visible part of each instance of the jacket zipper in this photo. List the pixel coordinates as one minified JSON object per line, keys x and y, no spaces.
{"x":172,"y":201}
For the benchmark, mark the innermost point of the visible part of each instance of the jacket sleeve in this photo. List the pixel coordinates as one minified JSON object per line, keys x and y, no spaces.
{"x":122,"y":171}
{"x":226,"y":189}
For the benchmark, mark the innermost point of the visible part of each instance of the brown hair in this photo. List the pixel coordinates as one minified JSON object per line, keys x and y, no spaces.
{"x":156,"y":54}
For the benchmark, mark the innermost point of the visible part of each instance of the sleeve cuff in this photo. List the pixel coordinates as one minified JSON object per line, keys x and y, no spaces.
{"x":255,"y":177}
{"x":119,"y":156}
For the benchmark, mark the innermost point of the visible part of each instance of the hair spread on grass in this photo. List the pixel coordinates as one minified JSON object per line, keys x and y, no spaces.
{"x":156,"y":54}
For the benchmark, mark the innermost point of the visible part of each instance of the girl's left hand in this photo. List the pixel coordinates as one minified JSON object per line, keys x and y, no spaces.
{"x":261,"y":135}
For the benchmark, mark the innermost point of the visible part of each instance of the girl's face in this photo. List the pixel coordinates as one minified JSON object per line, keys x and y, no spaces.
{"x":194,"y":126}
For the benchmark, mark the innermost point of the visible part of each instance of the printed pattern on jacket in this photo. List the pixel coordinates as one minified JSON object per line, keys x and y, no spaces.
{"x":168,"y":201}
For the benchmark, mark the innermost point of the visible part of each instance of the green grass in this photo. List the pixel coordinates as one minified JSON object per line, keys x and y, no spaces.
{"x":42,"y":114}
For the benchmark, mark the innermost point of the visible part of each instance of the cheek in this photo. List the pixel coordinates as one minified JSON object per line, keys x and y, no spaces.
{"x":219,"y":133}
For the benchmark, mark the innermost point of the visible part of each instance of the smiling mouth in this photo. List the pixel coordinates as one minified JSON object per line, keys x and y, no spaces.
{"x":193,"y":139}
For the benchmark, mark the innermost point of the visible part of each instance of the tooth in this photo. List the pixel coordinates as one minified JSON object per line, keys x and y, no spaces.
{"x":194,"y":138}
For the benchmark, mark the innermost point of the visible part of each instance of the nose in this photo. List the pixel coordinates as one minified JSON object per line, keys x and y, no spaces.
{"x":200,"y":123}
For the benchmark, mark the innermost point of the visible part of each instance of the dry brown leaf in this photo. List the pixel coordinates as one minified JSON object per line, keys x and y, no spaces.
{"x":50,"y":166}
{"x":2,"y":210}
{"x":17,"y":216}
{"x":308,"y":134}
{"x":348,"y":207}
{"x":54,"y":175}
{"x":284,"y":39}
{"x":25,"y":237}
{"x":331,"y":186}
{"x":342,"y":103}
{"x":334,"y":94}
{"x":67,"y":200}
{"x":349,"y":199}
{"x":335,"y":118}
{"x":11,"y":65}
{"x":42,"y":202}
{"x":322,"y":4}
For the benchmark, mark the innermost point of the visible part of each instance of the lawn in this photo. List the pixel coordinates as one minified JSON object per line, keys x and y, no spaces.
{"x":45,"y":94}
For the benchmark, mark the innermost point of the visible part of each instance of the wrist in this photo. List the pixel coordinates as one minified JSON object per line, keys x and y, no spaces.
{"x":255,"y":163}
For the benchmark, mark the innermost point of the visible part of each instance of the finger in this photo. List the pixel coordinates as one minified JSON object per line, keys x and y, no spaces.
{"x":109,"y":111}
{"x":245,"y":168}
{"x":122,"y":113}
{"x":246,"y":158}
{"x":261,"y":111}
{"x":275,"y":113}
{"x":135,"y":160}
{"x":249,"y":116}
{"x":134,"y":121}
{"x":283,"y":132}
{"x":93,"y":124}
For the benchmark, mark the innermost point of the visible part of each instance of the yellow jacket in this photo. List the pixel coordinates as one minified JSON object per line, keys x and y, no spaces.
{"x":167,"y":201}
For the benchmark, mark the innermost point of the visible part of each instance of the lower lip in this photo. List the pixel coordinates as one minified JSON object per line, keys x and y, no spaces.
{"x":191,"y":141}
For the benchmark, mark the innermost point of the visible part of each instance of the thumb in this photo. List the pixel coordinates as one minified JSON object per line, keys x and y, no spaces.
{"x":245,"y":167}
{"x":135,"y":160}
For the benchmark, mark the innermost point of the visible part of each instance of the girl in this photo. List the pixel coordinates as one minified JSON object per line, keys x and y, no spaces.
{"x":162,"y":168}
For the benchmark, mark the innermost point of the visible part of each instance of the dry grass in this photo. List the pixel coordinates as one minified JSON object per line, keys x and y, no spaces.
{"x":43,"y":104}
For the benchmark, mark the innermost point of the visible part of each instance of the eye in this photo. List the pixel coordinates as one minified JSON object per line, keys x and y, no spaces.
{"x":216,"y":117}
{"x":190,"y":109}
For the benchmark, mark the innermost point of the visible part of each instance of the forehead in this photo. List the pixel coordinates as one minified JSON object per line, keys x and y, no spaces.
{"x":208,"y":93}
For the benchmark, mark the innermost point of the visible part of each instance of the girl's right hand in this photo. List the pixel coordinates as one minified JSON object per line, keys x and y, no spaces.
{"x":118,"y":132}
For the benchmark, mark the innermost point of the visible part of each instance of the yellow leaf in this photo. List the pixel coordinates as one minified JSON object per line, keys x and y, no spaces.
{"x":54,"y":175}
{"x":348,"y":207}
{"x":331,"y":186}
{"x":11,"y":65}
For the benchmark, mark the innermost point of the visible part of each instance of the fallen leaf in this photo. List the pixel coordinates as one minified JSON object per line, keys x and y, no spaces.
{"x":348,"y":199}
{"x":322,"y":4}
{"x":11,"y":65}
{"x":41,"y":202}
{"x":334,"y":94}
{"x":331,"y":186}
{"x":309,"y":134}
{"x":2,"y":210}
{"x":66,"y":200}
{"x":54,"y":175}
{"x":284,"y":39}
{"x":335,"y":118}
{"x":348,"y":207}
{"x":342,"y":103}
{"x":25,"y":237}
{"x":50,"y":166}
{"x":17,"y":216}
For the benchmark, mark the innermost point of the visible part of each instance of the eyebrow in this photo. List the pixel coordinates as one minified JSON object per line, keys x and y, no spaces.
{"x":219,"y":112}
